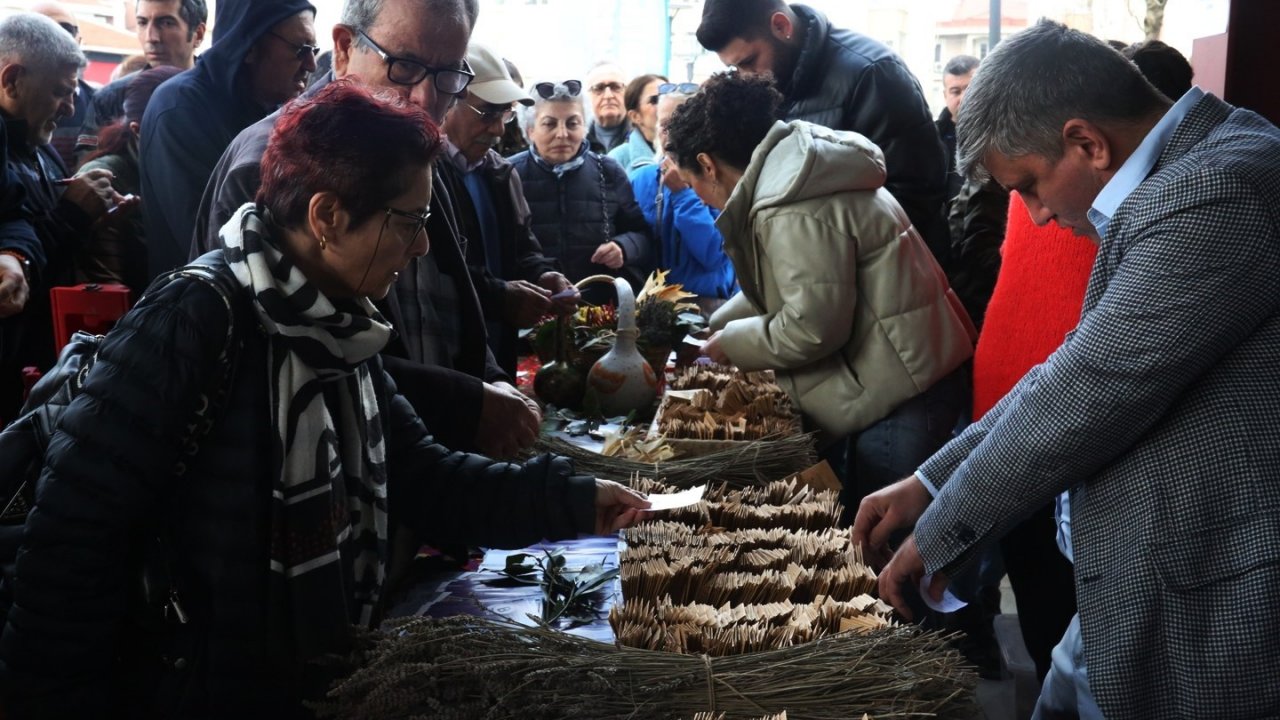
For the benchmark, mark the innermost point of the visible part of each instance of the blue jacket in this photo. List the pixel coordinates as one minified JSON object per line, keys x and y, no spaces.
{"x":190,"y":121}
{"x":635,"y":152}
{"x":690,"y":245}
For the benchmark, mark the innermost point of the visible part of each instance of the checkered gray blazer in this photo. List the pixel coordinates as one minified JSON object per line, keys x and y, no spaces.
{"x":1161,"y":414}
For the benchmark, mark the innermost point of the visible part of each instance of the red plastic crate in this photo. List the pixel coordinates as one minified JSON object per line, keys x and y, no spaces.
{"x":93,"y":308}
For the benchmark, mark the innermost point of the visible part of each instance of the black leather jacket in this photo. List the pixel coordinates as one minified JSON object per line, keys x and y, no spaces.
{"x":848,"y":81}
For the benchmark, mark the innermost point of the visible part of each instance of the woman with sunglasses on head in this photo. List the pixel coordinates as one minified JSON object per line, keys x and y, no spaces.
{"x":839,"y":294}
{"x":641,"y":101}
{"x":274,"y":533}
{"x":584,"y":213}
{"x":684,"y":228}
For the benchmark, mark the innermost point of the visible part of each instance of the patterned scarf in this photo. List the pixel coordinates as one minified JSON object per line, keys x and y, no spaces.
{"x":329,"y":497}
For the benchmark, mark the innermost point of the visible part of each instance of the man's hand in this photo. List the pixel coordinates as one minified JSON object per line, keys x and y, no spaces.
{"x":671,"y":176}
{"x":91,"y":191}
{"x":617,"y":507}
{"x":524,"y":303}
{"x":508,"y":421}
{"x":13,"y":287}
{"x":714,"y":350}
{"x":885,"y":511}
{"x":558,"y":284}
{"x":903,"y":571}
{"x":609,"y":255}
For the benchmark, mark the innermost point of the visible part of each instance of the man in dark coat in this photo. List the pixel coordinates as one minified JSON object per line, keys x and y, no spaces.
{"x":47,"y":214}
{"x":261,"y":58}
{"x":439,"y":356}
{"x":516,"y":279}
{"x":845,"y":81}
{"x":169,"y":32}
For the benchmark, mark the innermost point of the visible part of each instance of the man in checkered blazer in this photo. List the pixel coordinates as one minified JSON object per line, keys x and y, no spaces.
{"x":1160,"y":413}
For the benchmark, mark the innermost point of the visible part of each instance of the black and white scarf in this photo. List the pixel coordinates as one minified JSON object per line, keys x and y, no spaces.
{"x":329,"y":499}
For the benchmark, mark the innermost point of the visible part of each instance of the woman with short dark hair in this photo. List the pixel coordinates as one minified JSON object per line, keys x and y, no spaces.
{"x":275,"y":536}
{"x":839,"y":294}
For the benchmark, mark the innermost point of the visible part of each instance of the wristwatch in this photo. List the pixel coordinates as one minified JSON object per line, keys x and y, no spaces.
{"x":22,"y":260}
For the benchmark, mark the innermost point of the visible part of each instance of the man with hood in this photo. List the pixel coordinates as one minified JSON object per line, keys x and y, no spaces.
{"x":263,"y":53}
{"x":845,"y":81}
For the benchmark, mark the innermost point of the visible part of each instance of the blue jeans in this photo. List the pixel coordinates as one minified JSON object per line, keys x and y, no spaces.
{"x":1066,"y":692}
{"x":892,"y":448}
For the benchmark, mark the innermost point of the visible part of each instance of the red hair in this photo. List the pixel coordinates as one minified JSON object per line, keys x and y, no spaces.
{"x":346,"y":140}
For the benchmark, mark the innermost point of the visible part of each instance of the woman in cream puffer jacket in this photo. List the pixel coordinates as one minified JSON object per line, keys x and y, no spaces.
{"x":839,"y":294}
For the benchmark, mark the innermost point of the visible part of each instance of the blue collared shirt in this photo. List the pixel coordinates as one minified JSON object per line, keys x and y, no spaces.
{"x":1127,"y":179}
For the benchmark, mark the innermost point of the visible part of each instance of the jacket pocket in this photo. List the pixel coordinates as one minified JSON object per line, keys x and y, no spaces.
{"x":829,"y":393}
{"x":1190,"y":561}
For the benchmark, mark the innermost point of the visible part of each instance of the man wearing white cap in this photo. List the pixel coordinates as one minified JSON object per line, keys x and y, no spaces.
{"x":521,"y":283}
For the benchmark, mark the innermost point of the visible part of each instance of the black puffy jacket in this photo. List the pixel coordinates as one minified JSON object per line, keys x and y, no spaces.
{"x":848,"y":81}
{"x":577,"y":212}
{"x":67,"y":649}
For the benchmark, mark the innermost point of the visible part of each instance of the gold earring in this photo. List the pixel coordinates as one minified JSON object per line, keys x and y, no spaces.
{"x":322,"y":242}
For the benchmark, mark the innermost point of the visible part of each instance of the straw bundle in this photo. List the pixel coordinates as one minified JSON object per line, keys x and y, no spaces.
{"x":743,"y":465}
{"x":469,"y":668}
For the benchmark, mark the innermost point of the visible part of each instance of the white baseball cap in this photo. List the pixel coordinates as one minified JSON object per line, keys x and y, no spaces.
{"x":492,"y":83}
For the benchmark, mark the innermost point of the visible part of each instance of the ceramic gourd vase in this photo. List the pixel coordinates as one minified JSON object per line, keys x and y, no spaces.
{"x":622,"y":380}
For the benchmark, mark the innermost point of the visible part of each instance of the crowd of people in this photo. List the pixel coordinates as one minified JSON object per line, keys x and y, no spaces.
{"x":390,"y":215}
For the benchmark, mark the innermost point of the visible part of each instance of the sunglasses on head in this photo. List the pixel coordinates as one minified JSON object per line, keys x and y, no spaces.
{"x":548,"y":90}
{"x":70,"y":28}
{"x":681,"y":88}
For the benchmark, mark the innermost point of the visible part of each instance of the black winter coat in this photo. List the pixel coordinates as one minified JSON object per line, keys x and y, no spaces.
{"x":67,"y":649}
{"x":848,"y":81}
{"x":575,"y":213}
{"x":521,"y":256}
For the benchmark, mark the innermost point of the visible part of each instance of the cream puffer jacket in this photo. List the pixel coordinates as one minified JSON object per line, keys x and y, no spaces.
{"x":839,"y":293}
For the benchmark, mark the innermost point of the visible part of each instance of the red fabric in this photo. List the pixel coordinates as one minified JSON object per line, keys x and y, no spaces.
{"x":1036,"y":302}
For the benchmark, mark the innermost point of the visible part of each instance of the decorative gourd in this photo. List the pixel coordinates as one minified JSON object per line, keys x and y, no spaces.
{"x":623,"y":381}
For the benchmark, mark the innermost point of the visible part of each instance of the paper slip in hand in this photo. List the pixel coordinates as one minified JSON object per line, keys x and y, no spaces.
{"x":696,"y":342}
{"x":949,"y":603}
{"x":566,"y":293}
{"x":681,"y":499}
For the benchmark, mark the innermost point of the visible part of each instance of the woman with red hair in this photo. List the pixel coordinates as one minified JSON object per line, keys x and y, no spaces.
{"x":275,"y":534}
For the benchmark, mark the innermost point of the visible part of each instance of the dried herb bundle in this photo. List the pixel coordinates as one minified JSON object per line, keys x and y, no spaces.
{"x":735,"y":629}
{"x":747,"y":464}
{"x":469,"y":668}
{"x":718,"y":403}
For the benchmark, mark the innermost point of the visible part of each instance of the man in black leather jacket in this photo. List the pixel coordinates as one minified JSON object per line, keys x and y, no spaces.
{"x":845,"y":81}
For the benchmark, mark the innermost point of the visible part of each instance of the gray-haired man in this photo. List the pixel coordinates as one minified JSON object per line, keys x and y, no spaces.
{"x":440,"y":358}
{"x":1158,"y":413}
{"x":39,"y":66}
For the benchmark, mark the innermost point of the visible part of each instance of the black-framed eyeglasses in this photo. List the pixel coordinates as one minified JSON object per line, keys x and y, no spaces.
{"x":419,"y":220}
{"x":681,"y":88}
{"x":70,"y":27}
{"x":489,"y":117}
{"x":301,"y":51}
{"x":403,"y":71}
{"x":600,"y":87}
{"x":548,"y":90}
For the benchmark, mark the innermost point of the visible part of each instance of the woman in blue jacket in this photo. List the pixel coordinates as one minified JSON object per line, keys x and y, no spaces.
{"x":689,"y":245}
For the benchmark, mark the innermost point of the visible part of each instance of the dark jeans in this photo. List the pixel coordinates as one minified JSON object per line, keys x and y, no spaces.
{"x":894,"y":447}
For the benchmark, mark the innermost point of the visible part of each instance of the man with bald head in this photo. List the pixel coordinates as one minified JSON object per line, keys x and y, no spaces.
{"x":64,"y":138}
{"x":440,"y":357}
{"x":610,"y":127}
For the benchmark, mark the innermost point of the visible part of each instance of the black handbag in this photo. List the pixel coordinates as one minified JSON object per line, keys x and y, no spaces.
{"x":24,"y":442}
